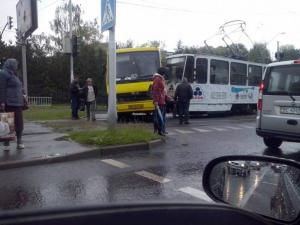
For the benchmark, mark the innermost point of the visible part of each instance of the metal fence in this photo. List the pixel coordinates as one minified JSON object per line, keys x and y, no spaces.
{"x":40,"y":101}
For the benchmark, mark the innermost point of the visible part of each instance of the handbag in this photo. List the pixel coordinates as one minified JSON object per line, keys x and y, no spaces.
{"x":7,"y":126}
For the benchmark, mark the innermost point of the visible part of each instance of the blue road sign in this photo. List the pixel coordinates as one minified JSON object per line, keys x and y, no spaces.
{"x":108,"y":14}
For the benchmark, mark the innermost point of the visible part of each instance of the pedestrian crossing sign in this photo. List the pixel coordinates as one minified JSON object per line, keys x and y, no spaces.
{"x":108,"y":14}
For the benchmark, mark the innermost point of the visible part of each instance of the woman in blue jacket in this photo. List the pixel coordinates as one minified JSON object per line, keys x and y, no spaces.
{"x":12,"y":98}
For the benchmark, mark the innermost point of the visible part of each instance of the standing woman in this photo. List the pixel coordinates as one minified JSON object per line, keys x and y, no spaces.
{"x":11,"y":97}
{"x":90,"y":91}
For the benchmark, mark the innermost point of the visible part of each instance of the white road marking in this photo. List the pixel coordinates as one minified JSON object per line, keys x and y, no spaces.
{"x":269,"y":183}
{"x":233,"y":128}
{"x":196,"y":193}
{"x":201,"y":130}
{"x":250,"y":191}
{"x":218,"y":129}
{"x":152,"y":176}
{"x":115,"y":163}
{"x":171,"y":134}
{"x":184,"y":131}
{"x":246,"y":126}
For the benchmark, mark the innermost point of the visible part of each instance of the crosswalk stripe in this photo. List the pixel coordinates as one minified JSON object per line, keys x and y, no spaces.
{"x":153,"y":176}
{"x":171,"y":134}
{"x":234,"y":128}
{"x":115,"y":163}
{"x":196,"y":193}
{"x":218,"y":129}
{"x":201,"y":130}
{"x":184,"y":131}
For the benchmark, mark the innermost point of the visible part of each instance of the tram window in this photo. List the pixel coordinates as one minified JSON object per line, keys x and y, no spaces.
{"x":219,"y":72}
{"x":189,"y":69}
{"x":175,"y":69}
{"x":238,"y":74}
{"x":201,"y":71}
{"x":254,"y":75}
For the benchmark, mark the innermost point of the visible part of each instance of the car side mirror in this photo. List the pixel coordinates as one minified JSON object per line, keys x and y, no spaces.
{"x":265,"y":185}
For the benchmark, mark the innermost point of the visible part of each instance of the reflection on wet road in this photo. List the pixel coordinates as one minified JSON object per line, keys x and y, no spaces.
{"x":141,"y":175}
{"x":271,"y":190}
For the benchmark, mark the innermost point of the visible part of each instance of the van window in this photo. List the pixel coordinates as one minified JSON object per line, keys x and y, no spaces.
{"x":283,"y":80}
{"x":189,"y":69}
{"x":201,"y":70}
{"x":219,"y":72}
{"x":254,"y":75}
{"x":238,"y":74}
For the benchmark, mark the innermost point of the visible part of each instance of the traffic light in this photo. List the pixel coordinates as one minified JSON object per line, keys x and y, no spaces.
{"x":279,"y":55}
{"x":2,"y":61}
{"x":76,"y":41}
{"x":10,"y":22}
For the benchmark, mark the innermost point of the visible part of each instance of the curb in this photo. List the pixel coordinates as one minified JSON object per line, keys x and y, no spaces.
{"x":98,"y":152}
{"x":37,"y":133}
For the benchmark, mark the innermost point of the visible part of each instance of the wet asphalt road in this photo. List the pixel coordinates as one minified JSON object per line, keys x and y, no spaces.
{"x":171,"y":172}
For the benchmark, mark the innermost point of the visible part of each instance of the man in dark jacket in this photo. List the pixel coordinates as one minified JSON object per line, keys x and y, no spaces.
{"x":183,"y":95}
{"x":74,"y":93}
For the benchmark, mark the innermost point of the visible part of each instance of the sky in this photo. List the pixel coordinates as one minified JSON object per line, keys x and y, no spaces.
{"x":192,"y":21}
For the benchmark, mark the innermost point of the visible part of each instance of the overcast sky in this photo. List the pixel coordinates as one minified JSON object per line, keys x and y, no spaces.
{"x":192,"y":21}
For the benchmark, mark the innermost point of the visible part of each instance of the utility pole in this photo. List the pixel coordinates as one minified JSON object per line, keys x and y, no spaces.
{"x":108,"y":22}
{"x":112,"y":101}
{"x":278,"y":55}
{"x":24,"y":65}
{"x":70,"y":36}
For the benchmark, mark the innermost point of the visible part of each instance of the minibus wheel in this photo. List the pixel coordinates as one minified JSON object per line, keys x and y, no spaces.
{"x":272,"y":142}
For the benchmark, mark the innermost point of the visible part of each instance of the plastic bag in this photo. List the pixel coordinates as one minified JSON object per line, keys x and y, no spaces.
{"x":7,"y":126}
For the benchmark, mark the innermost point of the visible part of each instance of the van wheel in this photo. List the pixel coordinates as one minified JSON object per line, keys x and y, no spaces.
{"x":272,"y":142}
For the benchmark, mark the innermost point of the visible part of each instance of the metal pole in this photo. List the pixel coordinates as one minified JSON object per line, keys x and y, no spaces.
{"x":112,"y":108}
{"x":70,"y":35}
{"x":278,"y":56}
{"x":3,"y":31}
{"x":24,"y":67}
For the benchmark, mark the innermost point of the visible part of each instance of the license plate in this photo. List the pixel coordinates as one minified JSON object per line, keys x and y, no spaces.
{"x":136,"y":106}
{"x":290,"y":110}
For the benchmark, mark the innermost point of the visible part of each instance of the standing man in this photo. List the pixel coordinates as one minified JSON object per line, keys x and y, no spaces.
{"x":183,"y":95}
{"x":90,"y":92}
{"x":159,"y":101}
{"x":74,"y":92}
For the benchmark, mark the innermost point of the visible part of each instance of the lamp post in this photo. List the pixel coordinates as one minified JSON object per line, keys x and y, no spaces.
{"x":277,"y":54}
{"x":275,"y":36}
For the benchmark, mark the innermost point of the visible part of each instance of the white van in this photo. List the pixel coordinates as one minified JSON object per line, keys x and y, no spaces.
{"x":278,"y":117}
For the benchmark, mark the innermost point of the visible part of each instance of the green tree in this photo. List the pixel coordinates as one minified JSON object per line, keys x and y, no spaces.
{"x":48,"y":68}
{"x":179,"y":47}
{"x":155,"y":44}
{"x":222,"y":51}
{"x":289,"y":52}
{"x":127,"y":44}
{"x":87,"y":30}
{"x":259,"y":53}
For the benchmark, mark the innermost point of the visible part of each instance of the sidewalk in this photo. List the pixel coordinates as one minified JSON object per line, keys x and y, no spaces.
{"x":44,"y":145}
{"x":40,"y":143}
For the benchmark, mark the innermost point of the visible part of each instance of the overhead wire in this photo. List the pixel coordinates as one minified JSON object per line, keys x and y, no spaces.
{"x":50,"y":4}
{"x":163,"y":7}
